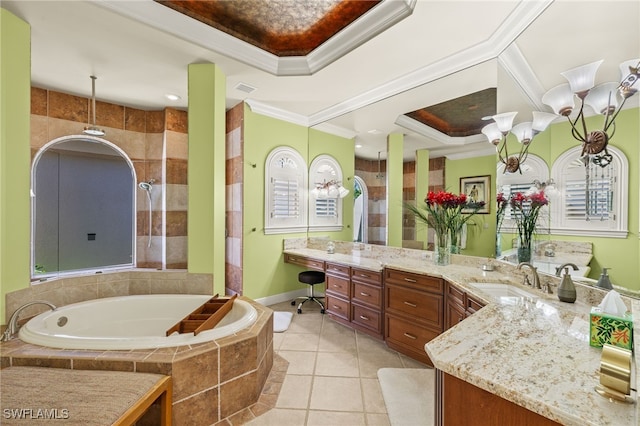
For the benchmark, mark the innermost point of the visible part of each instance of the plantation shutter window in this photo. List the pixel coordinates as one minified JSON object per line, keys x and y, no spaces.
{"x":285,"y":192}
{"x":326,"y":210}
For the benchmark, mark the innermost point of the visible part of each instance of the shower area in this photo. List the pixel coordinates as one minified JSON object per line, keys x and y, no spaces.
{"x":126,"y":203}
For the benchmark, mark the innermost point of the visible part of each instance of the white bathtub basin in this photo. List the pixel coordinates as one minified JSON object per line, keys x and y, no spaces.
{"x":504,"y":293}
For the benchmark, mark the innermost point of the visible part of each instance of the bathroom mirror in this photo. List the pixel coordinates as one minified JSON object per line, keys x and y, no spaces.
{"x":83,"y":215}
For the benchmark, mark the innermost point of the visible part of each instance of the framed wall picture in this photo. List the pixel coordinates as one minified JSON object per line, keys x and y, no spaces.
{"x":477,"y":188}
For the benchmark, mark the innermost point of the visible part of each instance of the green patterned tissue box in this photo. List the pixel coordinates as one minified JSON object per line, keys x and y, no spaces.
{"x":605,"y":328}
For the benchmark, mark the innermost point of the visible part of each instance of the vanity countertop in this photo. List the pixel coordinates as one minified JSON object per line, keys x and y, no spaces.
{"x":534,"y":353}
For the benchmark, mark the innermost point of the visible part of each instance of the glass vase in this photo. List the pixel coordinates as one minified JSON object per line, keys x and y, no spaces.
{"x":442,"y":254}
{"x":454,"y":246}
{"x":498,"y":245}
{"x":524,"y":251}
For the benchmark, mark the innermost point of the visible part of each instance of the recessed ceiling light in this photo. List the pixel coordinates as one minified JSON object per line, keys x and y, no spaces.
{"x":358,"y":145}
{"x":374,"y":131}
{"x":172,"y":97}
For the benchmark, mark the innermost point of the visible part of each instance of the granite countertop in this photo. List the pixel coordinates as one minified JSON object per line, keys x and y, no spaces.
{"x":534,"y":353}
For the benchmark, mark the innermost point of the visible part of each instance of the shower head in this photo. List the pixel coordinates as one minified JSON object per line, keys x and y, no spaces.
{"x":145,"y":185}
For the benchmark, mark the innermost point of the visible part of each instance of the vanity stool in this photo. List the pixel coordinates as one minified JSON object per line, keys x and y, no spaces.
{"x":311,"y":278}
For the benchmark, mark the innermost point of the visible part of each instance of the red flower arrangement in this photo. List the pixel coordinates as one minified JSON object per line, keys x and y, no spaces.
{"x":525,"y":209}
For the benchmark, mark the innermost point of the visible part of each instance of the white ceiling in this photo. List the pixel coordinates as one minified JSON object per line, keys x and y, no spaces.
{"x":140,"y":50}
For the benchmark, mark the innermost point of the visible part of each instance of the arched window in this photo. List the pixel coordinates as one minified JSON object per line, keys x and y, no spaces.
{"x":325,"y":209}
{"x":534,"y":169}
{"x":593,"y":199}
{"x":285,"y":192}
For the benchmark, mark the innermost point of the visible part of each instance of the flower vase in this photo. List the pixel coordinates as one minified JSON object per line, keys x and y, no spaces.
{"x":524,"y":251}
{"x":498,"y":245}
{"x":442,"y":253}
{"x":454,"y":247}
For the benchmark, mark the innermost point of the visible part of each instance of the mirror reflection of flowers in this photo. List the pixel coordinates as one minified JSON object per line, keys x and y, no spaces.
{"x":444,"y":213}
{"x":501,"y":207}
{"x":525,"y":209}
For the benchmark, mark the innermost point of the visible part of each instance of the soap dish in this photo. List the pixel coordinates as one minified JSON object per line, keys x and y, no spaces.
{"x":487,"y":267}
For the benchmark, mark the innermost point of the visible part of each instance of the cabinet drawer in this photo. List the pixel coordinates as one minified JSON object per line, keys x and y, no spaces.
{"x":366,"y":276}
{"x":418,"y":305}
{"x":408,"y":334}
{"x":338,"y":286}
{"x":337,"y":269}
{"x":368,"y":318}
{"x":306,"y":262}
{"x":337,"y":307}
{"x":454,"y":294}
{"x":422,"y":282}
{"x":367,"y":294}
{"x":473,"y":305}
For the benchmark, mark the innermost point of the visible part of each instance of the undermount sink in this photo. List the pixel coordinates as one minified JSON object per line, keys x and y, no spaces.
{"x":504,"y":293}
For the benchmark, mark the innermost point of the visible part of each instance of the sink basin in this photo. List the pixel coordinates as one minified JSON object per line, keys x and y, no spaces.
{"x":504,"y":293}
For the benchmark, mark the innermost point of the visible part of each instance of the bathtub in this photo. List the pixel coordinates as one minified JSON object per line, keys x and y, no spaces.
{"x":129,"y":322}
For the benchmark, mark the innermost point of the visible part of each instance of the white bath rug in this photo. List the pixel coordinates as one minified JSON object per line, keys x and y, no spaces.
{"x":409,"y":395}
{"x":281,"y":321}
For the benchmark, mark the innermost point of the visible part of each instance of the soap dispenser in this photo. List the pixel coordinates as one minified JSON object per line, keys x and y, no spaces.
{"x":566,"y":290}
{"x":603,"y":281}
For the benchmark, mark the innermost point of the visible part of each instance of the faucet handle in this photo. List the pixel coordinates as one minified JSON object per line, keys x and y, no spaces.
{"x":526,"y":280}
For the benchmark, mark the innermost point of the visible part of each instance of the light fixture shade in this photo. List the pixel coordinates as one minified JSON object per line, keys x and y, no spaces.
{"x":560,"y":99}
{"x":323,"y":193}
{"x":541,"y":120}
{"x":523,"y":132}
{"x":315,"y":192}
{"x":492,"y":132}
{"x":582,"y":78}
{"x":625,"y":69}
{"x":343,"y":191}
{"x":504,"y":120}
{"x":332,"y":191}
{"x":602,"y":97}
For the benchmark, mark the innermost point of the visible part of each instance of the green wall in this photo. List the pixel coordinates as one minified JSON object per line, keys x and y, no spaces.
{"x":481,"y":234}
{"x":622,"y":255}
{"x":264,"y":271}
{"x":15,"y":114}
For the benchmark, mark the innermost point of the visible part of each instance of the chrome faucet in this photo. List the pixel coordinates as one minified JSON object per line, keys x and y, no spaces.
{"x":564,"y":265}
{"x":536,"y":278}
{"x":12,"y":326}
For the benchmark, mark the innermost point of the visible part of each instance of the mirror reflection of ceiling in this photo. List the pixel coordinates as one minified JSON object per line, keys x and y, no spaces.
{"x":281,"y":27}
{"x":358,"y":84}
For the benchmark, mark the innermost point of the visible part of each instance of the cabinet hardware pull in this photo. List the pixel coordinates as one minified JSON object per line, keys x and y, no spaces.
{"x":460,"y":319}
{"x":364,"y":294}
{"x":411,"y":280}
{"x":410,"y":336}
{"x":362,"y":317}
{"x":336,"y":286}
{"x":293,"y":259}
{"x":336,"y":307}
{"x":364,"y":275}
{"x":413,"y":305}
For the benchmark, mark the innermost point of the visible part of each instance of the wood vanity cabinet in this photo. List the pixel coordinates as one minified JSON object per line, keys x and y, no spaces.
{"x":338,"y":292}
{"x":306,"y":262}
{"x":459,"y":305}
{"x":414,"y":312}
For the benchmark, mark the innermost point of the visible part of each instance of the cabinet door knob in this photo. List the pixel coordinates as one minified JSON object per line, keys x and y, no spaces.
{"x":413,"y":305}
{"x":410,"y":336}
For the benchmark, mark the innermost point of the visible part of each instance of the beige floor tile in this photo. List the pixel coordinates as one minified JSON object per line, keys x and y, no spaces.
{"x":300,"y":362}
{"x":294,"y":392}
{"x":277,"y":341}
{"x":377,"y":419}
{"x":305,"y":323}
{"x":335,"y":418}
{"x":338,"y":342}
{"x":336,"y":394}
{"x":372,"y":395}
{"x":300,"y":342}
{"x":412,"y":363}
{"x":337,"y":364}
{"x":333,"y":327}
{"x":371,"y":362}
{"x":280,"y":417}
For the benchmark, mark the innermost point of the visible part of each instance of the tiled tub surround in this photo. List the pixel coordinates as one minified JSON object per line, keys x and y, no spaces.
{"x":211,"y":381}
{"x":536,"y":355}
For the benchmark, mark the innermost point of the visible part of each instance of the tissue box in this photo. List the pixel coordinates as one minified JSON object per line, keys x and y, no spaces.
{"x":605,"y":328}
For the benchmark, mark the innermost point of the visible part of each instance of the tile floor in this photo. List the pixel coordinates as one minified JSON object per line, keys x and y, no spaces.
{"x":324,"y":374}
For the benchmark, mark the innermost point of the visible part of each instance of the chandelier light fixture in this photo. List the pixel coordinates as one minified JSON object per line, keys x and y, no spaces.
{"x":606,"y":99}
{"x":330,"y":189}
{"x":498,"y":131}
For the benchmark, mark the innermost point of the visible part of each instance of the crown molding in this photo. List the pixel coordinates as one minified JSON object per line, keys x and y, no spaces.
{"x":165,"y":19}
{"x":429,"y":132}
{"x":336,"y":130}
{"x":474,"y":153}
{"x":516,"y":66}
{"x":279,"y":113}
